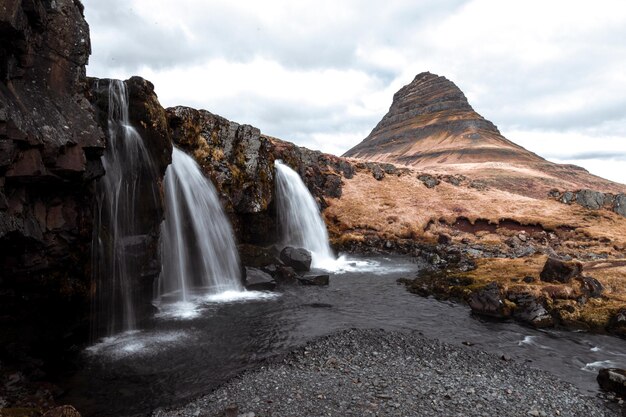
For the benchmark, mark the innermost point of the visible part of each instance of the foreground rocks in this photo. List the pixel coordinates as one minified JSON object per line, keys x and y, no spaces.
{"x":373,"y":372}
{"x":614,"y":380}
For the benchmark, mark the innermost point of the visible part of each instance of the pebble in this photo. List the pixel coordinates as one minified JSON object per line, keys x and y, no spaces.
{"x":408,"y":375}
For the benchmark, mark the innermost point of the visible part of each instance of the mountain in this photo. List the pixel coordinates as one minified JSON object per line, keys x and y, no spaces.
{"x":431,"y":125}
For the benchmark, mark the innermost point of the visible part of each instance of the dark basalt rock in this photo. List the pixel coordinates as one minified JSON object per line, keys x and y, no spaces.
{"x":297,"y":258}
{"x":556,"y":270}
{"x":613,"y":379}
{"x":531,"y":309}
{"x":314,"y":279}
{"x":489,"y":301}
{"x":590,"y":199}
{"x":619,"y":204}
{"x":50,"y":148}
{"x":428,"y":180}
{"x":257,"y":280}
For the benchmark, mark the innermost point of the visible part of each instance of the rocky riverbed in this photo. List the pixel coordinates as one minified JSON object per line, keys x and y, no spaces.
{"x":382,"y":373}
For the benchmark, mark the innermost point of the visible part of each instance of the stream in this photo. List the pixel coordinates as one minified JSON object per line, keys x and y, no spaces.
{"x":190,"y":348}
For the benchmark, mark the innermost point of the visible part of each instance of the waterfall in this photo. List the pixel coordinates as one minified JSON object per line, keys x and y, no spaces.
{"x":198,"y":249}
{"x":123,"y":194}
{"x":299,"y":217}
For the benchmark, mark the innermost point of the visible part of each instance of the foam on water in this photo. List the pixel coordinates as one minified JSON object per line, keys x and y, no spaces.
{"x":596,"y":366}
{"x":345,"y":264}
{"x":136,"y":342}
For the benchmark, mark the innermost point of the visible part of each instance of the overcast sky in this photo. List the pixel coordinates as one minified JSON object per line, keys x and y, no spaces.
{"x":321,"y":73}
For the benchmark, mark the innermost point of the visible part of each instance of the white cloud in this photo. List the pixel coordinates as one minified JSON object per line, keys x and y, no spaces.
{"x":322,"y":73}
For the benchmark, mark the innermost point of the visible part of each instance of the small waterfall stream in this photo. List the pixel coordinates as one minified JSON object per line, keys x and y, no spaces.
{"x":130,"y":183}
{"x":198,"y":248}
{"x":299,"y":217}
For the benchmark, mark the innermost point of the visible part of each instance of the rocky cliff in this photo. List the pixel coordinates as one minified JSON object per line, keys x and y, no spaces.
{"x":431,"y":125}
{"x":240,"y":162}
{"x":50,"y":148}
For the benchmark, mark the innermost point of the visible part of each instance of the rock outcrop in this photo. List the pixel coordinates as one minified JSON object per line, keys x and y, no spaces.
{"x":239,"y":160}
{"x":50,"y":148}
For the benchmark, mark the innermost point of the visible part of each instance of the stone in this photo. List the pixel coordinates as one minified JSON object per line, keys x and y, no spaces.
{"x":489,"y":301}
{"x":428,"y":180}
{"x":377,"y":172}
{"x":619,"y":204}
{"x":613,"y":379}
{"x":314,"y":279}
{"x":528,"y":279}
{"x":297,"y":258}
{"x":590,"y":199}
{"x":567,"y":197}
{"x":591,"y":287}
{"x":555,"y":270}
{"x":531,"y":309}
{"x":257,"y":280}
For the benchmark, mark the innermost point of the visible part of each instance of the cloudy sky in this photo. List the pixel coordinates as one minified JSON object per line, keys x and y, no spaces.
{"x":321,"y":73}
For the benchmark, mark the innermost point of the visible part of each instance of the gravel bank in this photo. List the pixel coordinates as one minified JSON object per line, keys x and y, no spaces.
{"x":379,"y":373}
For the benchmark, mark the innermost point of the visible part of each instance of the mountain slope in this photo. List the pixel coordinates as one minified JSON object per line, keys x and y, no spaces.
{"x":432,"y":126}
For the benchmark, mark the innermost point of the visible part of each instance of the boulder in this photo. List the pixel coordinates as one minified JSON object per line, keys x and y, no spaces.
{"x":613,"y":379}
{"x":567,"y":197}
{"x":314,"y":279}
{"x":257,"y":280}
{"x":428,"y":180}
{"x":297,"y":258}
{"x":489,"y":301}
{"x":590,"y":199}
{"x":531,"y":309}
{"x":556,"y":270}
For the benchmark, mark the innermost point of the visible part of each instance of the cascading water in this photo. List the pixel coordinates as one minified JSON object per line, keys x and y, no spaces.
{"x":123,"y":193}
{"x":197,"y":245}
{"x":299,"y":217}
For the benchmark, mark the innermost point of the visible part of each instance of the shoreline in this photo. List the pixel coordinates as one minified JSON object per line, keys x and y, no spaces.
{"x":392,"y":373}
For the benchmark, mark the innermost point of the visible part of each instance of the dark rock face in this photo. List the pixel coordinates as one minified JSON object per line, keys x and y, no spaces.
{"x":297,"y":258}
{"x":613,"y":379}
{"x":555,"y":270}
{"x":593,"y":200}
{"x":489,"y":301}
{"x":430,"y":121}
{"x":50,"y":148}
{"x":257,"y":280}
{"x":619,"y":206}
{"x":240,"y":162}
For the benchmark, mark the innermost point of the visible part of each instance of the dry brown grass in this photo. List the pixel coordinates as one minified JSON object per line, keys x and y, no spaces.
{"x":403,"y":206}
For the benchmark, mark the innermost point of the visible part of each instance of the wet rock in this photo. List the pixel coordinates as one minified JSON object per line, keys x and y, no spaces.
{"x":297,"y":258}
{"x":613,"y":379}
{"x":617,"y":324}
{"x":286,"y":275}
{"x":428,"y":180}
{"x":591,"y":287}
{"x":257,"y":280}
{"x":489,"y":301}
{"x":556,"y":270}
{"x":590,"y":199}
{"x":314,"y":279}
{"x":531,"y":309}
